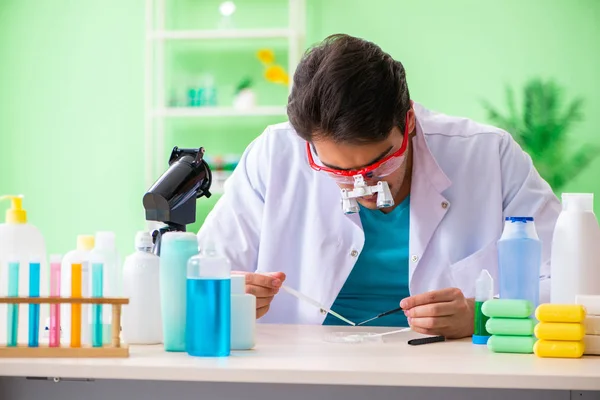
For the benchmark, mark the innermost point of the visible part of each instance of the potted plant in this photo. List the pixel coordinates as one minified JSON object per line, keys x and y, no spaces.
{"x":245,"y":98}
{"x":542,"y":129}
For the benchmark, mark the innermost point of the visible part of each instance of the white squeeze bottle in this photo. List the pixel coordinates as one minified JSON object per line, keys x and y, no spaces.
{"x":141,"y":320}
{"x":81,"y":254}
{"x":23,"y":241}
{"x":575,"y":259}
{"x":105,"y":250}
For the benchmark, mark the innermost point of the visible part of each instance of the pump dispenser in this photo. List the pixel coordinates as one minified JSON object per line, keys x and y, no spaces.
{"x":22,"y":241}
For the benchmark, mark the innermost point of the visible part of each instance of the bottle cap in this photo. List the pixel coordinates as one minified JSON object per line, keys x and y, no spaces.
{"x":578,"y":201}
{"x":519,"y":219}
{"x":15,"y":214}
{"x":85,"y":242}
{"x":484,"y":286}
{"x":238,"y":284}
{"x":143,"y":240}
{"x":478,"y":339}
{"x":105,"y":240}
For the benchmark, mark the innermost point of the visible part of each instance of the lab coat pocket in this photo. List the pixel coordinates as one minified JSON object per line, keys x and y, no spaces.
{"x":465,"y":272}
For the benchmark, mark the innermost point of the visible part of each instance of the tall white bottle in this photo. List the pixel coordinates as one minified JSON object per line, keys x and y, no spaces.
{"x":575,"y":259}
{"x":23,"y":241}
{"x":81,"y":254}
{"x":141,"y":320}
{"x":105,"y":250}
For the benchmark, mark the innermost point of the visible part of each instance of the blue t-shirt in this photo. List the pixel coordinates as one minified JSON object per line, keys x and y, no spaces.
{"x":379,"y":279}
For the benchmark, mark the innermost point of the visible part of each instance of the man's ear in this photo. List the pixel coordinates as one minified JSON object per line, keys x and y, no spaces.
{"x":412,"y":122}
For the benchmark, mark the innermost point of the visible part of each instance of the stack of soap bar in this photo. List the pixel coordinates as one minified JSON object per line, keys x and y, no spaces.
{"x":560,"y":331}
{"x":592,"y":323}
{"x":510,"y":325}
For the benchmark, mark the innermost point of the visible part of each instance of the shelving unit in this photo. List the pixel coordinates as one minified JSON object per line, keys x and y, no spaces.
{"x":156,"y":109}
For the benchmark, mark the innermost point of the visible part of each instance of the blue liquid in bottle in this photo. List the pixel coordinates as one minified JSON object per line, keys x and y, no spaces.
{"x":13,"y":309}
{"x":34,"y":309}
{"x":97,"y":290}
{"x":208,"y":317}
{"x":519,"y":260}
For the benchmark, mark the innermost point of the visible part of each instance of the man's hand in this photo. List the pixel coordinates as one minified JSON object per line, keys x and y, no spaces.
{"x":441,"y":312}
{"x":264,"y":287}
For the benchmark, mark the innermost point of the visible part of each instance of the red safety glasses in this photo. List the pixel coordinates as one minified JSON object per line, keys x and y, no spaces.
{"x":377,"y":170}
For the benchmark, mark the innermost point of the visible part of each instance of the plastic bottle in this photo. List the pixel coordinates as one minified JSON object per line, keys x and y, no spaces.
{"x":22,"y":241}
{"x":176,"y":249}
{"x":243,"y":315}
{"x":208,"y":305}
{"x":484,"y":291}
{"x":81,"y":254}
{"x":575,"y":250}
{"x":519,"y":260}
{"x":141,"y":320}
{"x":105,"y":251}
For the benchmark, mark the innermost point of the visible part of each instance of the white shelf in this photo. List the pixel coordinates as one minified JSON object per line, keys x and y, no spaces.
{"x":209,"y":111}
{"x":223,"y":34}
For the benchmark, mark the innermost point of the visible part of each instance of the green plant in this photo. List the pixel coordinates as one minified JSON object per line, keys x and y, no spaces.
{"x":542,"y":129}
{"x":245,"y":83}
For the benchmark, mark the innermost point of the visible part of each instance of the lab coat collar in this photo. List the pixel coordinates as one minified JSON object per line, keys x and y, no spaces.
{"x":423,"y":159}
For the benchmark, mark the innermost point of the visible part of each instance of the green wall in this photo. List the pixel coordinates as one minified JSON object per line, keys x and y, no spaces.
{"x":72,"y":87}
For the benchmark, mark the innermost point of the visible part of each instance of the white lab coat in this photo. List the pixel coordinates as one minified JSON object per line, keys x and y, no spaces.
{"x":277,"y":214}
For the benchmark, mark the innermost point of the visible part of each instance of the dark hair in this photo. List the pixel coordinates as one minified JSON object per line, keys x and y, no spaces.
{"x":349,"y":90}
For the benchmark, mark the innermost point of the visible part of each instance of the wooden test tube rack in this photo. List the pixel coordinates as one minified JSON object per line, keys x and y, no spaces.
{"x":115,"y":349}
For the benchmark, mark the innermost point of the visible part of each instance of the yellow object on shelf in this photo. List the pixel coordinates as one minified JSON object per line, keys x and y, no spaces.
{"x":559,"y":331}
{"x":560,"y":313}
{"x":558,"y":349}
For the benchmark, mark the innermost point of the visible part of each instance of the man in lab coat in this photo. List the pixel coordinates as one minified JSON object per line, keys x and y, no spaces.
{"x":452,"y":180}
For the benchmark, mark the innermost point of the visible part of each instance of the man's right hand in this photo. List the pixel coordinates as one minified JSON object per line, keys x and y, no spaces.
{"x":264,"y":287}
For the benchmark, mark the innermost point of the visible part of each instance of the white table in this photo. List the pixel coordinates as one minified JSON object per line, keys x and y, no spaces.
{"x":295,"y":362}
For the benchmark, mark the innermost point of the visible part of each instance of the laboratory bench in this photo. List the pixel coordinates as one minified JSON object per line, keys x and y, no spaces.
{"x":297,"y":362}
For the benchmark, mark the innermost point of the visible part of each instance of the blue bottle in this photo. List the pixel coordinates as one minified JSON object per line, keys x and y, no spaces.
{"x":519,"y":260}
{"x":208,"y":309}
{"x":175,"y":251}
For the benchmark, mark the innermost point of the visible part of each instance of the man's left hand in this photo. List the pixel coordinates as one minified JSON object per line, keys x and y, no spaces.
{"x":441,"y":312}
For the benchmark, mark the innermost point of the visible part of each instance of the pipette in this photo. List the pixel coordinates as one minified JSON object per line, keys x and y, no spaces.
{"x":315,"y":303}
{"x":395,"y":310}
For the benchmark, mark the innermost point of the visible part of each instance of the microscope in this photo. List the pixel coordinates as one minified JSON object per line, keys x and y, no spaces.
{"x":172,"y":198}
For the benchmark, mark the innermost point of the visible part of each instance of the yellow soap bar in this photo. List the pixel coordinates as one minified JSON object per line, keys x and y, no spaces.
{"x":560,"y":313}
{"x":559,"y":331}
{"x":558,"y":349}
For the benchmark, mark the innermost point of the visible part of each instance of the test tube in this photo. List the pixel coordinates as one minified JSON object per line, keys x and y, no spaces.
{"x":76,"y":271}
{"x":55,"y":264}
{"x":97,"y":289}
{"x":34,"y":309}
{"x":13,"y":309}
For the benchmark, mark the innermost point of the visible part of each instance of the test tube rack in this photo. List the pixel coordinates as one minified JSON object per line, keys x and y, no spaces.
{"x":114,"y":350}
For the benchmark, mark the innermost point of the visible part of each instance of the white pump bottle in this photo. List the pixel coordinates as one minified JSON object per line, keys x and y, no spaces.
{"x":24,"y":242}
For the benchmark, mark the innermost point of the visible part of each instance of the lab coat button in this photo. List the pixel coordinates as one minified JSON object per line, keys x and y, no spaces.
{"x":323,"y":311}
{"x":414,"y":258}
{"x":354,"y":253}
{"x":444,"y":204}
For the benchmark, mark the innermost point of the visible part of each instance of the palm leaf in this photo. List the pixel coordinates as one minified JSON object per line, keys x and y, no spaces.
{"x":543,"y":128}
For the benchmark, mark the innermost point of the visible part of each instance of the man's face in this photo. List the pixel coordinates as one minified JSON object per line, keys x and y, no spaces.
{"x":354,"y":157}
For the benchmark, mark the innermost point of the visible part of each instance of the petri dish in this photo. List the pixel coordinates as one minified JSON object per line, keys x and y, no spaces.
{"x":353,"y":337}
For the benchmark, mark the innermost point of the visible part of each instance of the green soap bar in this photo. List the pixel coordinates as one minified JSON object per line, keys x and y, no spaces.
{"x":510,"y":326}
{"x":507,"y":308}
{"x":511,"y":344}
